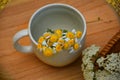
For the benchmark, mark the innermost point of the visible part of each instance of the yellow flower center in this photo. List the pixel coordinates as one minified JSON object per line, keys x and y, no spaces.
{"x":76,"y":46}
{"x":58,"y":48}
{"x":70,"y":35}
{"x":71,"y":41}
{"x":53,"y":38}
{"x":78,"y":34}
{"x":39,"y":46}
{"x":66,"y":45}
{"x":58,"y":32}
{"x":48,"y":52}
{"x":61,"y":41}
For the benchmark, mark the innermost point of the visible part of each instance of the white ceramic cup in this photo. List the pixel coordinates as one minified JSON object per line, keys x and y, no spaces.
{"x":53,"y":16}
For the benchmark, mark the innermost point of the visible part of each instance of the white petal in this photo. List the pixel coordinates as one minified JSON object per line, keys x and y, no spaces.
{"x":63,"y":36}
{"x":71,"y":50}
{"x":47,"y":37}
{"x":76,"y":40}
{"x":73,"y":31}
{"x":54,"y":51}
{"x":67,"y":39}
{"x":55,"y":44}
{"x":44,"y":43}
{"x":64,"y":33}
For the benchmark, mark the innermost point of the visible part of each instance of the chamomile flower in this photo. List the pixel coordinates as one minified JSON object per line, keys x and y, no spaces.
{"x":58,"y":47}
{"x":39,"y":46}
{"x":71,"y":42}
{"x":70,"y":35}
{"x":61,"y":41}
{"x":53,"y":38}
{"x":48,"y":52}
{"x":76,"y":46}
{"x":66,"y":45}
{"x":58,"y":32}
{"x":78,"y":34}
{"x":41,"y":39}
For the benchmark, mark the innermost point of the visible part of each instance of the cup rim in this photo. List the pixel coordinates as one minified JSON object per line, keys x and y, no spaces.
{"x":56,"y":4}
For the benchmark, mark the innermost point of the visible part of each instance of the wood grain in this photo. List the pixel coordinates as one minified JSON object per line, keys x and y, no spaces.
{"x":17,"y":66}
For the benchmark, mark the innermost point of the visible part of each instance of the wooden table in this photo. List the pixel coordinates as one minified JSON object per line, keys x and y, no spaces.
{"x":102,"y":24}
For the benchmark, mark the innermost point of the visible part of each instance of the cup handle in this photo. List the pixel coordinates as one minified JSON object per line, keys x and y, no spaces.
{"x":17,"y":37}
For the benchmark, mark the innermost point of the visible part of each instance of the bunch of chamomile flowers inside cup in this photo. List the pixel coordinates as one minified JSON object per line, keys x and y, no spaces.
{"x":54,"y":41}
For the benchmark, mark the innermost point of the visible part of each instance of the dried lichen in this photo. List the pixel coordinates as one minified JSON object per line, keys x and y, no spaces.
{"x":115,"y":4}
{"x":3,"y":3}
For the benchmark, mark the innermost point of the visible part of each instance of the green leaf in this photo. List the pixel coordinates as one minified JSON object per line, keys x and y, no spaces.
{"x":49,"y":30}
{"x":64,"y":31}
